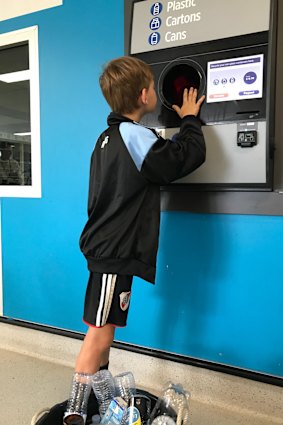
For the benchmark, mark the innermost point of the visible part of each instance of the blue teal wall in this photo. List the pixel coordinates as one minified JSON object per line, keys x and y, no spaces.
{"x":219,"y":291}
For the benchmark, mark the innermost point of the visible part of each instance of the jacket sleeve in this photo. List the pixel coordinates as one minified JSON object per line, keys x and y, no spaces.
{"x":169,"y":160}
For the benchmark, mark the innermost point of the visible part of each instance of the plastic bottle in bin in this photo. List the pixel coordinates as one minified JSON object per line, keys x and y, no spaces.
{"x":173,"y":405}
{"x":163,"y":420}
{"x":104,"y":389}
{"x":125,"y":386}
{"x":76,"y":411}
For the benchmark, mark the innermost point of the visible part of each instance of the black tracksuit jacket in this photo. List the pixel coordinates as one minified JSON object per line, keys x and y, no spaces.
{"x":128,"y":165}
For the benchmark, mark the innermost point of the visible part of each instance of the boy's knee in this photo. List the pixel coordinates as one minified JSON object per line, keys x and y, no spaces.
{"x":101,"y":338}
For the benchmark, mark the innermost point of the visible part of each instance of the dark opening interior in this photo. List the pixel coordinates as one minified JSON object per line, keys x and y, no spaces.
{"x":178,"y":78}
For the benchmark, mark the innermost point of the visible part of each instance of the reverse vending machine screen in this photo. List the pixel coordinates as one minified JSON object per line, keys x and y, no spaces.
{"x":235,"y":79}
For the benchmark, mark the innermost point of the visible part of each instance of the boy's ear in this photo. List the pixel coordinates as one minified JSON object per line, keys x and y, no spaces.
{"x":143,"y":96}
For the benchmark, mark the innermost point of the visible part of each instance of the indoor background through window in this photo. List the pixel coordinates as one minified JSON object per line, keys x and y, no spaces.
{"x":15,"y":127}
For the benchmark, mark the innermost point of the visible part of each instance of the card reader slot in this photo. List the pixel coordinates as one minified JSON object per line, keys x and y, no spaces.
{"x":248,"y":112}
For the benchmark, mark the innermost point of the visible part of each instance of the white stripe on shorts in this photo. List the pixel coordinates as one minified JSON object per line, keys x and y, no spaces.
{"x":109,"y":297}
{"x":106,"y":296}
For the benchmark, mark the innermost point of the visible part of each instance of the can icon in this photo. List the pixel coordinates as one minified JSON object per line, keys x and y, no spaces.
{"x":154,"y":38}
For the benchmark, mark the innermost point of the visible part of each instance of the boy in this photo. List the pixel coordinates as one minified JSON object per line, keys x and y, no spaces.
{"x":120,"y":239}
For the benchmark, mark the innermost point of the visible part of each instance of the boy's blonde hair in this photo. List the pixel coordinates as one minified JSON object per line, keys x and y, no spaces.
{"x":122,"y":82}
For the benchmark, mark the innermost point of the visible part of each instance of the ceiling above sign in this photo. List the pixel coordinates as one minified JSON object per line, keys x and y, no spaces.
{"x":13,"y":8}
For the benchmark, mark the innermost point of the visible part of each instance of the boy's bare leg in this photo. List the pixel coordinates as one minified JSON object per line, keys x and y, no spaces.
{"x":105,"y":357}
{"x":95,"y":349}
{"x":94,"y":353}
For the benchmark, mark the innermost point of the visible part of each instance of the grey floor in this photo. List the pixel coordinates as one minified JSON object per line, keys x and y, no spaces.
{"x":29,"y":384}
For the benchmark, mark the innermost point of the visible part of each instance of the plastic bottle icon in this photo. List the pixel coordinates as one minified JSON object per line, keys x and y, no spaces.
{"x":156,"y":9}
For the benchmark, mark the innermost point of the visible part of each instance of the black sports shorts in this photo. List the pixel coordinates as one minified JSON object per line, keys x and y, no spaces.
{"x":107,"y":299}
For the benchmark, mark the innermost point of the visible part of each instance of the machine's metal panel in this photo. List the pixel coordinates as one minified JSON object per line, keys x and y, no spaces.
{"x":226,"y":162}
{"x":231,"y":198}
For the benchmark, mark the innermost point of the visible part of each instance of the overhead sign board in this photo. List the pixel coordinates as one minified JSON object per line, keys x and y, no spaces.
{"x":164,"y":24}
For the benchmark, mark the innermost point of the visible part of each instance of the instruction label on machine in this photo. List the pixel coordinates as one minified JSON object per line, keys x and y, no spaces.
{"x":164,"y":24}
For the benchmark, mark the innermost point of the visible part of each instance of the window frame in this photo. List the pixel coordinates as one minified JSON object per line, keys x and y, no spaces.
{"x":31,"y":36}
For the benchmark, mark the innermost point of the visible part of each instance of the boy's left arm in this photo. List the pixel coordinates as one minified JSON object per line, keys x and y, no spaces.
{"x":169,"y":160}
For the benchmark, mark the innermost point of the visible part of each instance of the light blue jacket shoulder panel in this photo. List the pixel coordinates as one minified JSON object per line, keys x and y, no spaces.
{"x":138,"y":140}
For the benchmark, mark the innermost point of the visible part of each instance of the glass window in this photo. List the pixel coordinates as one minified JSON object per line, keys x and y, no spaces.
{"x":19,"y":115}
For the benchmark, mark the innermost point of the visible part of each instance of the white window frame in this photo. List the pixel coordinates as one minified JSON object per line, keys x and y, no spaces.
{"x":34,"y":190}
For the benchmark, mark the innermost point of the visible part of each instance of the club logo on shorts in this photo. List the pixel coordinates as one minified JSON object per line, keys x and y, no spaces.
{"x":124,"y":300}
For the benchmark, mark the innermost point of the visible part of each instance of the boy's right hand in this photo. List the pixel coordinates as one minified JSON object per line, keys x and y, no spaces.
{"x":190,"y":104}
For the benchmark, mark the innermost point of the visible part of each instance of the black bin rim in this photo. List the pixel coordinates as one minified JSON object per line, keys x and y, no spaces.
{"x":180,"y":61}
